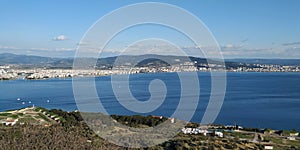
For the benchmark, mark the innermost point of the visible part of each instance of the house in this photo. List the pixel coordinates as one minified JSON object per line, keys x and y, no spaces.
{"x":10,"y":121}
{"x":172,"y":120}
{"x":291,"y":138}
{"x":159,"y":117}
{"x":234,"y":127}
{"x":268,"y":146}
{"x":219,"y":134}
{"x":202,"y":131}
{"x":294,"y":133}
{"x":194,"y":131}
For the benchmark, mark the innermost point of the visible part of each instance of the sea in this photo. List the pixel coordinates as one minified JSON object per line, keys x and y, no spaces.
{"x":252,"y":99}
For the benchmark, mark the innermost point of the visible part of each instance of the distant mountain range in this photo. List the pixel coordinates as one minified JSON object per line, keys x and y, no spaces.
{"x":148,"y":60}
{"x":8,"y":58}
{"x":33,"y":61}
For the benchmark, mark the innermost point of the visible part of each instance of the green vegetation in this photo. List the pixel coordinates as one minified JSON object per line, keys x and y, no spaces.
{"x":15,"y":116}
{"x":10,"y":115}
{"x":137,"y":121}
{"x":27,"y":120}
{"x":242,"y":135}
{"x":44,"y":117}
{"x":20,"y":114}
{"x":5,"y":114}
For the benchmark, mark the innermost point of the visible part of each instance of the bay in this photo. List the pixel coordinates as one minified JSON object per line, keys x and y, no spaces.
{"x":262,"y":100}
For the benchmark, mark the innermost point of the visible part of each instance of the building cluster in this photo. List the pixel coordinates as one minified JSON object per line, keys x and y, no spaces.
{"x":204,"y":132}
{"x":231,"y":132}
{"x":132,"y":70}
{"x":60,"y":73}
{"x":9,"y":121}
{"x":265,"y":68}
{"x":7,"y":73}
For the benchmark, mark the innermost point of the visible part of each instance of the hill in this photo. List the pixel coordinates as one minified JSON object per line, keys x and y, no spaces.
{"x":103,"y":63}
{"x":72,"y":133}
{"x":30,"y":115}
{"x":8,"y":58}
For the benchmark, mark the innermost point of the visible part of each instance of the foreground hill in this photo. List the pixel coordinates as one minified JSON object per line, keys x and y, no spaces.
{"x":70,"y":132}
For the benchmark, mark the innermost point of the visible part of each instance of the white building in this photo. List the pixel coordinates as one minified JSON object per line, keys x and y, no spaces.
{"x":9,"y":121}
{"x":219,"y":134}
{"x":268,"y":147}
{"x":291,"y":138}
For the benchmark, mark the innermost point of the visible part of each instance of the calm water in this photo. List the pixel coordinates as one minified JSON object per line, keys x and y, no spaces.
{"x":252,"y":99}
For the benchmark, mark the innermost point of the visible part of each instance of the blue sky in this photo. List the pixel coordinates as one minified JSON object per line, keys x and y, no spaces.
{"x":244,"y":29}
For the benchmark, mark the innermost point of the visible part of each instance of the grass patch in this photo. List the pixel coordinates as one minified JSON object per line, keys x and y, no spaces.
{"x":44,"y":117}
{"x":294,"y":143}
{"x":274,"y":139}
{"x":41,"y":109}
{"x":20,"y":114}
{"x":5,"y":114}
{"x":242,"y":135}
{"x":15,"y":116}
{"x":27,"y":120}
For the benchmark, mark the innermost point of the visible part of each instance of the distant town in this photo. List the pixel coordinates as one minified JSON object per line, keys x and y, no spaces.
{"x":8,"y":73}
{"x":36,"y":67}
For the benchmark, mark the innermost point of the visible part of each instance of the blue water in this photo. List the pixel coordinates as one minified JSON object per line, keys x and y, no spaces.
{"x":252,"y":99}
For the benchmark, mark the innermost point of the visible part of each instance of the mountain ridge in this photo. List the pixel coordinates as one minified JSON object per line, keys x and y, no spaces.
{"x":40,"y":61}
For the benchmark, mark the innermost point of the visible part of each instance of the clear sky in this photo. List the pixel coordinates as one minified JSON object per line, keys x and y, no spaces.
{"x":243,"y":28}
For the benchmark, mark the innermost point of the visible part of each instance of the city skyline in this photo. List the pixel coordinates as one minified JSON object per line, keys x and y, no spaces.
{"x":256,"y":29}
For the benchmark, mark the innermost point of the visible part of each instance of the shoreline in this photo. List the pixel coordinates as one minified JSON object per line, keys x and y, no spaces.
{"x":101,"y":75}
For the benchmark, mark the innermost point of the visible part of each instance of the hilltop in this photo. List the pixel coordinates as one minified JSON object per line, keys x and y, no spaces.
{"x":31,"y":115}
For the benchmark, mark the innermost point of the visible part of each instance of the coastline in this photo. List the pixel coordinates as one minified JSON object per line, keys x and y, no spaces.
{"x":65,"y":74}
